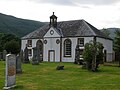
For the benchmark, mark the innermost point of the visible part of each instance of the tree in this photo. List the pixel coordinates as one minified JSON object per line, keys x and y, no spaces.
{"x":12,"y":47}
{"x":106,"y":32}
{"x":117,"y":43}
{"x":93,"y":55}
{"x":5,"y":38}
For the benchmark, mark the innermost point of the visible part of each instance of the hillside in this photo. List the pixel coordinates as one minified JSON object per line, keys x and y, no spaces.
{"x":111,"y":32}
{"x":17,"y":26}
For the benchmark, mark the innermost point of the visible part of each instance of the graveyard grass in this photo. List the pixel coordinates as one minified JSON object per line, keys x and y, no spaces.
{"x":45,"y":77}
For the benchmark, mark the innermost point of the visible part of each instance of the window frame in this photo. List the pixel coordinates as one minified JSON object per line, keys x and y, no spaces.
{"x":68,"y":48}
{"x":81,"y":42}
{"x":29,"y":43}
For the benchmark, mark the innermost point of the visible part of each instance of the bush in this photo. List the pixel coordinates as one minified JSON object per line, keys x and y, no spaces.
{"x":93,"y":52}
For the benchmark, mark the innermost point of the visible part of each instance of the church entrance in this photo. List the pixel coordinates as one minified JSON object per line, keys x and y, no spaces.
{"x":39,"y":45}
{"x":51,"y":56}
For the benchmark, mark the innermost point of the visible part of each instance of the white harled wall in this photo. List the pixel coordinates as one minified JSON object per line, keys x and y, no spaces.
{"x":74,"y":43}
{"x":108,"y":45}
{"x":24,"y":42}
{"x":52,"y":45}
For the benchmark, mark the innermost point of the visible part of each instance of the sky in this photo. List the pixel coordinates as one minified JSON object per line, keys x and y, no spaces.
{"x":99,"y":13}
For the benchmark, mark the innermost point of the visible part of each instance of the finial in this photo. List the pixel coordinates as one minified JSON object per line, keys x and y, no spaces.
{"x":53,"y":13}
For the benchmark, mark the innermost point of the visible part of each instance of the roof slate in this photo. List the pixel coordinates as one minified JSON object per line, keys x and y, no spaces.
{"x":74,"y":28}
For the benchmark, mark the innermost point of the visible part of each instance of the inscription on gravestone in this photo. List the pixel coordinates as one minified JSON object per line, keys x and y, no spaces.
{"x":10,"y":72}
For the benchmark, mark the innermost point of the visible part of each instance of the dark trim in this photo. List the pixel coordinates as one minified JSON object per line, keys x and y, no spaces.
{"x":60,"y":49}
{"x":69,"y":37}
{"x":49,"y":55}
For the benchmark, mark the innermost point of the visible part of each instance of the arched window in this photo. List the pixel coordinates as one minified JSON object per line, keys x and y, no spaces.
{"x":67,"y":48}
{"x":39,"y":45}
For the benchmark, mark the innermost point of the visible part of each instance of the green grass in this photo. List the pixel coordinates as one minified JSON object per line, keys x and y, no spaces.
{"x":45,"y":77}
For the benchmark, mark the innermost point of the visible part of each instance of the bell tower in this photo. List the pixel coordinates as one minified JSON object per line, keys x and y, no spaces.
{"x":53,"y":21}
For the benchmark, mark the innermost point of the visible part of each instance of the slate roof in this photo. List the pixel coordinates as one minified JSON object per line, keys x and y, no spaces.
{"x":74,"y":28}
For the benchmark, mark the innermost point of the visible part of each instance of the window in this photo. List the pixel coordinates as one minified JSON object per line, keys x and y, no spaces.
{"x":67,"y":47}
{"x":30,"y":52}
{"x":81,"y":42}
{"x":29,"y":43}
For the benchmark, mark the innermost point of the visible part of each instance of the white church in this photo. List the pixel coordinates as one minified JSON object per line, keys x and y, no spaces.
{"x":57,"y":40}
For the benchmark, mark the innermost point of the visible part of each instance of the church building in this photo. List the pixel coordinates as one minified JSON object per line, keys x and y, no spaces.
{"x":57,"y":40}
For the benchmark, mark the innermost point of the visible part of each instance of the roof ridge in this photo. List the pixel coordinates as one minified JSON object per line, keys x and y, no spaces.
{"x":89,"y":27}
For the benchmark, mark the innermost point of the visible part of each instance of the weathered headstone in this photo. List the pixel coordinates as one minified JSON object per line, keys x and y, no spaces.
{"x":77,"y":54}
{"x":4,"y":54}
{"x":18,"y":64}
{"x":21,"y":55}
{"x":25,"y":56}
{"x":10,"y":72}
{"x":36,"y":57}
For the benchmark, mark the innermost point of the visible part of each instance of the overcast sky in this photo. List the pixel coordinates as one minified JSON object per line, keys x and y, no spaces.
{"x":100,"y":13}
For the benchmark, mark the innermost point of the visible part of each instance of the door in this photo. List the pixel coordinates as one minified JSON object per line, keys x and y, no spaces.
{"x":51,"y":56}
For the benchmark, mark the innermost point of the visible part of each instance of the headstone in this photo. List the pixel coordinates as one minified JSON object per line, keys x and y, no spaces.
{"x":18,"y":64}
{"x":36,"y":57}
{"x":10,"y":72}
{"x":60,"y":67}
{"x":21,"y":55}
{"x":4,"y":54}
{"x":25,"y":56}
{"x":77,"y":54}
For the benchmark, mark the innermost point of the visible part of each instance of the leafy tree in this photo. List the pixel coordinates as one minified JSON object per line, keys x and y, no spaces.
{"x":117,"y":43}
{"x":5,"y":40}
{"x":93,"y":55}
{"x":12,"y":47}
{"x":105,"y":31}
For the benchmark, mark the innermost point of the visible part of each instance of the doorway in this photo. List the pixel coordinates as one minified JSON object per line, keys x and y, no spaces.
{"x":51,"y":56}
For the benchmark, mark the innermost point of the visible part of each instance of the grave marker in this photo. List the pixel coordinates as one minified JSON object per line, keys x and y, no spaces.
{"x":10,"y":72}
{"x":35,"y":59}
{"x":18,"y":64}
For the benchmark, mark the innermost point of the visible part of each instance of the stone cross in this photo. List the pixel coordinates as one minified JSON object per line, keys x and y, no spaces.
{"x":36,"y":56}
{"x":4,"y":54}
{"x":10,"y":72}
{"x":18,"y":64}
{"x":25,"y":56}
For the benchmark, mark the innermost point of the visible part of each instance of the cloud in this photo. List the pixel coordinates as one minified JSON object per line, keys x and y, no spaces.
{"x":76,"y":2}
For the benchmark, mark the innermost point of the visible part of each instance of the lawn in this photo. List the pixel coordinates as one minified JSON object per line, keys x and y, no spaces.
{"x":45,"y":77}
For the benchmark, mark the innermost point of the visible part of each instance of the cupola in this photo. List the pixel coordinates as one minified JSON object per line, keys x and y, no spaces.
{"x":53,"y":21}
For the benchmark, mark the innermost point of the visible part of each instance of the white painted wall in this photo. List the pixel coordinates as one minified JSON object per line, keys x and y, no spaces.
{"x":52,"y":45}
{"x":24,"y":42}
{"x":74,"y":43}
{"x":108,"y":45}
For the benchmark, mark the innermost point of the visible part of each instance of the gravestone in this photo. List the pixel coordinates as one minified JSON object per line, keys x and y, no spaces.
{"x":36,"y":57}
{"x":77,"y":54}
{"x":10,"y":72}
{"x":25,"y":56}
{"x":18,"y":64}
{"x":4,"y":54}
{"x":21,"y":55}
{"x":60,"y":67}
